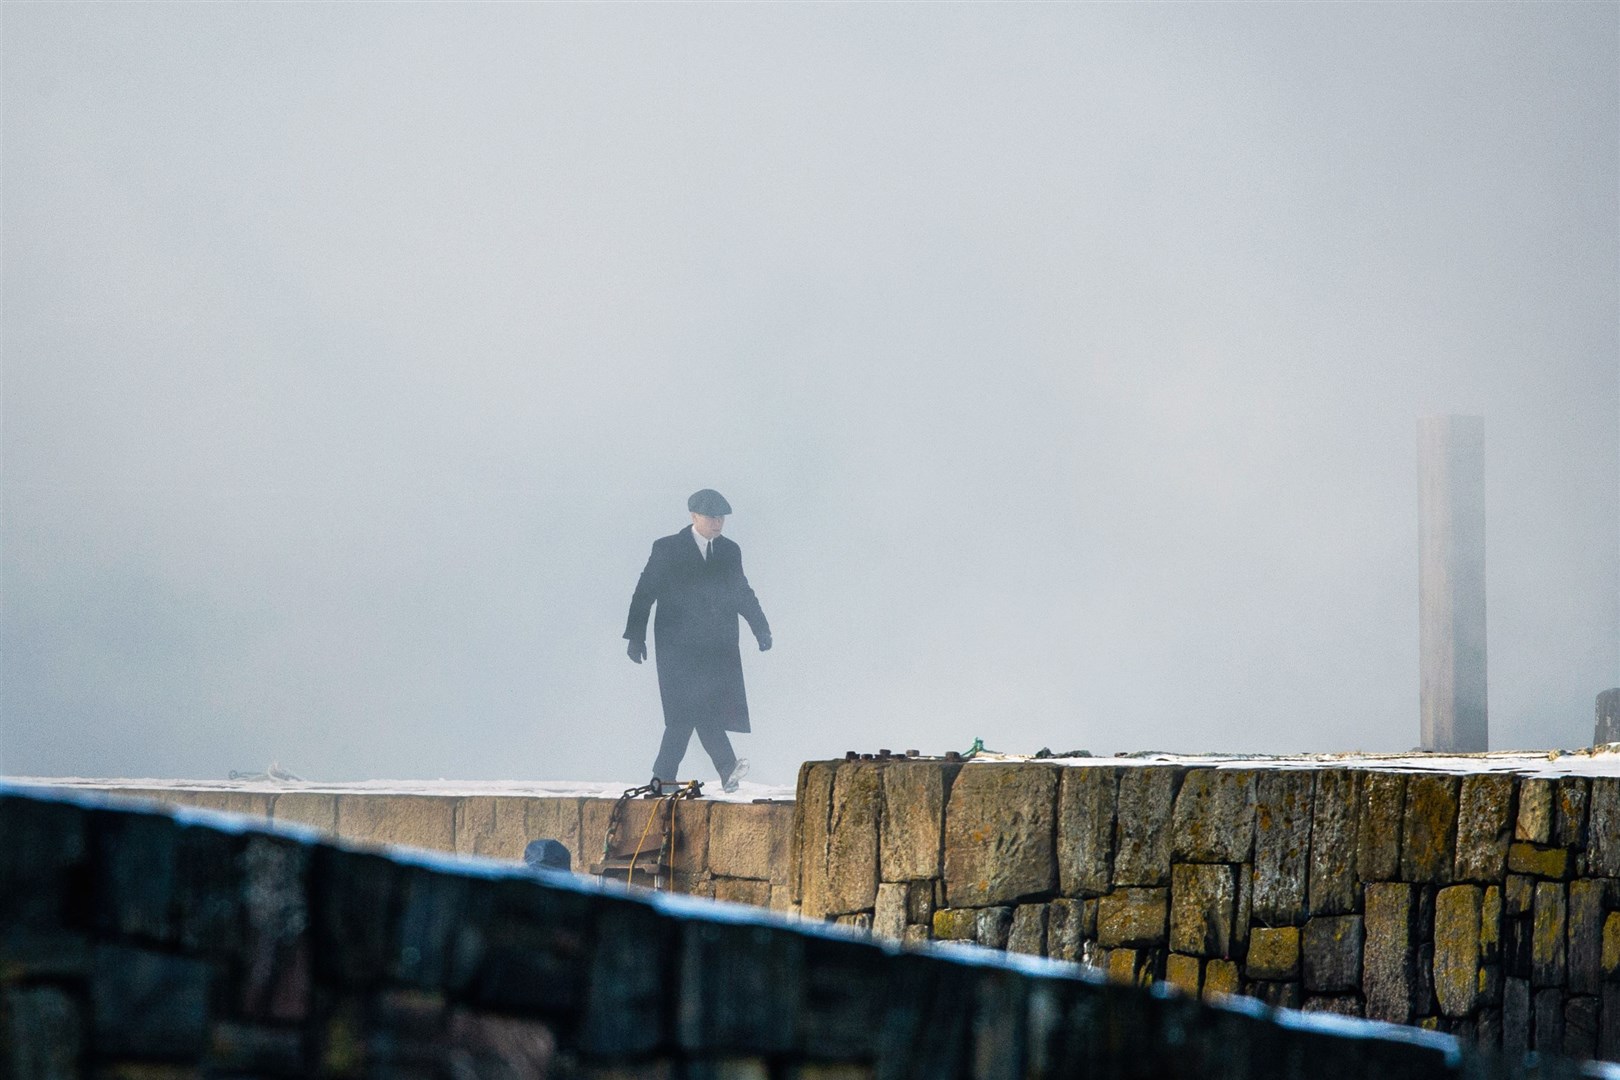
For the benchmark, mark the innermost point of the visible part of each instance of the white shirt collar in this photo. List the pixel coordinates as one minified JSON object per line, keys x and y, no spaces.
{"x":703,"y":545}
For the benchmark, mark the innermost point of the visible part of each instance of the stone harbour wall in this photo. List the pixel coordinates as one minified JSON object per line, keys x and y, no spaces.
{"x":722,"y":850}
{"x":1484,"y":904}
{"x":142,"y":942}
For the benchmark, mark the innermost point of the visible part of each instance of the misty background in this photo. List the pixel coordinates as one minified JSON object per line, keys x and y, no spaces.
{"x":1062,"y":365}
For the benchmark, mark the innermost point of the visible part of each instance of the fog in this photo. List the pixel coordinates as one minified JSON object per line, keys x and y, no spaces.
{"x":1061,"y":363}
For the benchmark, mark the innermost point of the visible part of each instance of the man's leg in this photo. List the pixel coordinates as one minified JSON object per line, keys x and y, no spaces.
{"x":718,"y":744}
{"x":671,"y":750}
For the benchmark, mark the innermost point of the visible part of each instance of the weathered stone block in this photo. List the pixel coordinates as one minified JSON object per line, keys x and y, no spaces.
{"x":1390,"y":952}
{"x":1123,"y":966}
{"x":1279,"y":995}
{"x":1611,"y":947}
{"x":1340,"y":1005}
{"x":1483,"y":826}
{"x":992,"y":926}
{"x":1603,"y":844}
{"x":1456,"y":949}
{"x":1518,"y":895}
{"x":421,"y":821}
{"x":917,"y":935}
{"x":1548,"y":1037}
{"x":1214,"y":816}
{"x":1085,"y":830}
{"x":494,"y":826}
{"x":956,"y":924}
{"x":1542,"y":862}
{"x":1609,"y":1023}
{"x":1429,"y":828}
{"x":1332,"y":888}
{"x":1547,"y":946}
{"x":1132,"y":917}
{"x":740,"y":986}
{"x":1569,"y":811}
{"x":1585,"y":946}
{"x":1221,"y":978}
{"x":313,"y":809}
{"x":43,"y":1036}
{"x":913,"y":818}
{"x":1273,"y":953}
{"x":1378,"y":826}
{"x":1202,"y":907}
{"x":1028,"y":933}
{"x":1183,"y":973}
{"x":999,"y":824}
{"x":1535,"y":819}
{"x":808,"y":848}
{"x":1282,"y":845}
{"x":889,"y":912}
{"x":1142,"y":834}
{"x":852,"y":838}
{"x":148,"y":1004}
{"x":860,"y":920}
{"x":743,"y":891}
{"x":1065,"y":929}
{"x":1333,"y":945}
{"x":742,"y":840}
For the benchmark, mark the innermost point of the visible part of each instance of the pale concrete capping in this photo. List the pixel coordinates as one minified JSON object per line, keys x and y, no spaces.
{"x":424,"y":821}
{"x":750,"y":840}
{"x":312,"y":808}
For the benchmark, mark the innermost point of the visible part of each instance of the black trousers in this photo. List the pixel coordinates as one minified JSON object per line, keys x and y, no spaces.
{"x":676,"y":739}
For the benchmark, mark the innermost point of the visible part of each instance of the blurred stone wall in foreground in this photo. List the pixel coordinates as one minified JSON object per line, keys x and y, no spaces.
{"x":134,"y":943}
{"x":1484,"y":904}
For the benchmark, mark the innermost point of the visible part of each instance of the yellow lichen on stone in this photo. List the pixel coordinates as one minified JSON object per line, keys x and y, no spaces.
{"x":1456,"y":948}
{"x":1182,"y":972}
{"x":955,"y":924}
{"x":1611,"y":944}
{"x":1273,"y":952}
{"x":1220,"y":978}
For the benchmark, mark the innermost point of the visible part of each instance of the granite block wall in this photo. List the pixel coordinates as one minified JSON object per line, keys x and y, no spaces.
{"x":137,"y":944}
{"x":1481,"y":904}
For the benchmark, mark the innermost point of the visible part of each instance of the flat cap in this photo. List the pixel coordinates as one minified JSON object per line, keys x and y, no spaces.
{"x":708,"y":502}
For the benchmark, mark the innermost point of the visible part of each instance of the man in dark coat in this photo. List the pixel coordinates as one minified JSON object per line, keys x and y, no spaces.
{"x":696,"y":579}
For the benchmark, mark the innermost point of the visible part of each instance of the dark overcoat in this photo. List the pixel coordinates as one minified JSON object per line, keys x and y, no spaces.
{"x":695,"y":632}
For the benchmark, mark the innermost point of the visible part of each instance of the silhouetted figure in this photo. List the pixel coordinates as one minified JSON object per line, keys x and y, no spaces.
{"x":547,"y":855}
{"x":696,"y":579}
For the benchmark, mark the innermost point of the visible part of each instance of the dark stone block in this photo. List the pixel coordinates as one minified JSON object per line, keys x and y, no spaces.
{"x":32,"y":955}
{"x":1282,"y":846}
{"x":44,"y":1034}
{"x":208,"y":890}
{"x":1142,"y":834}
{"x":1337,"y":1004}
{"x":524,"y":948}
{"x":511,"y":1048}
{"x":275,"y":980}
{"x":1281,"y":995}
{"x":1548,"y":1037}
{"x":1488,"y":1029}
{"x":432,"y":918}
{"x":1608,"y":1046}
{"x":1429,"y":828}
{"x":1378,"y":826}
{"x":1586,"y":912}
{"x":1000,"y":1017}
{"x":1516,"y":947}
{"x":999,"y":830}
{"x":741,"y":988}
{"x":1333,"y":946}
{"x":1332,"y":888}
{"x":1484,"y":827}
{"x":1580,"y":1027}
{"x":845,"y":986}
{"x":926,"y":1020}
{"x":149,"y":1005}
{"x":134,"y":858}
{"x":1549,"y":936}
{"x":235,"y":1048}
{"x":43,"y":866}
{"x":1603,"y":854}
{"x":1516,"y":1018}
{"x":405,"y":1034}
{"x":1390,"y":952}
{"x":626,"y":1007}
{"x":355,"y":900}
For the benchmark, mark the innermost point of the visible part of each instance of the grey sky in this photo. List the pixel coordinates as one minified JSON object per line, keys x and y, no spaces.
{"x":1062,"y":364}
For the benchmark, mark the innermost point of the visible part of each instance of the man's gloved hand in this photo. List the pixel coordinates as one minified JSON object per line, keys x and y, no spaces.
{"x":637,"y":651}
{"x":764,"y":643}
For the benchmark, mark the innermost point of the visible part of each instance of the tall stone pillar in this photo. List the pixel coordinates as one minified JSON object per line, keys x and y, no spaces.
{"x":1451,"y":582}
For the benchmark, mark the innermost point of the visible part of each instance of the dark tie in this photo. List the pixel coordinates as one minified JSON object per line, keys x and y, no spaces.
{"x":708,"y":550}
